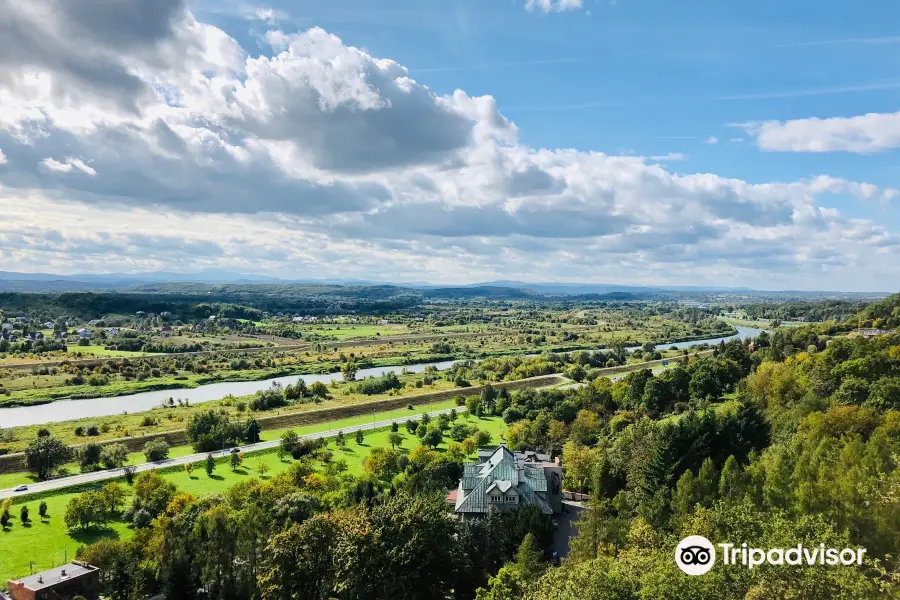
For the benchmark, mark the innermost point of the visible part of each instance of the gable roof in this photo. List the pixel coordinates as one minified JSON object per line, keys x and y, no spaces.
{"x":502,"y":471}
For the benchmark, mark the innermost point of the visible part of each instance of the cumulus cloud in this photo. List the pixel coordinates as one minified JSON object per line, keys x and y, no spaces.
{"x":864,"y":134}
{"x":554,"y":5}
{"x":316,"y":157}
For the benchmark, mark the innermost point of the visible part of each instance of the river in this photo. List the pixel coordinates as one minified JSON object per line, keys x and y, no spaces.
{"x":66,"y":410}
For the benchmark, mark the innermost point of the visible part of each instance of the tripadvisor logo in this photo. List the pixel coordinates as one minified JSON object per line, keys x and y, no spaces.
{"x":696,"y":555}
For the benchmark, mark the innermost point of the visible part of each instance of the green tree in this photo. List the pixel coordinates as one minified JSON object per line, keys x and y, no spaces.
{"x":156,"y":450}
{"x":23,"y":514}
{"x":113,"y":456}
{"x":44,"y":454}
{"x":433,"y":437}
{"x":360,"y":437}
{"x":395,"y":439}
{"x":210,"y":465}
{"x":235,"y":460}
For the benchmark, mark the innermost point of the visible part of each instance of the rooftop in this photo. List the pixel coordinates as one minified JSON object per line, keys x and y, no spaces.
{"x":51,"y":577}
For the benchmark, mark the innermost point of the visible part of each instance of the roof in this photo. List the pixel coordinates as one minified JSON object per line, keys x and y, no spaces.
{"x":51,"y":577}
{"x":502,"y":470}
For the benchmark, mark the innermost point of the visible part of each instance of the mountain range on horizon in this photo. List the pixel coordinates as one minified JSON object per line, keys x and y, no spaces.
{"x":20,"y":281}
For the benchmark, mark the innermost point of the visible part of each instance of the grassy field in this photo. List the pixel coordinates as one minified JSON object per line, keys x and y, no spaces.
{"x":46,"y":543}
{"x":339,"y":332}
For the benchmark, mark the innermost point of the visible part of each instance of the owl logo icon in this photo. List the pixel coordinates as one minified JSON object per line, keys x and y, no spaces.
{"x":695,"y":555}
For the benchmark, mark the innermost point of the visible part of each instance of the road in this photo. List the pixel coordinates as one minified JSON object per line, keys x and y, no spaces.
{"x":63,"y":482}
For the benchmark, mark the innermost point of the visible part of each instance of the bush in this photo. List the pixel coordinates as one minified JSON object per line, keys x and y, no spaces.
{"x":113,"y":456}
{"x":156,"y":450}
{"x":93,"y":430}
{"x":90,"y":456}
{"x":79,"y":431}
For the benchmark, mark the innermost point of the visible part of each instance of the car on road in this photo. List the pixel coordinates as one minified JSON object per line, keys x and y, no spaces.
{"x":235,"y":450}
{"x":21,"y":488}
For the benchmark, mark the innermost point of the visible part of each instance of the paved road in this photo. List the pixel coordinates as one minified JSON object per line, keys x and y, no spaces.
{"x":63,"y":482}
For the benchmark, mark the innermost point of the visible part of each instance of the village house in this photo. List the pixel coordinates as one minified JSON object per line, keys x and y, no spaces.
{"x":165,"y":330}
{"x":505,"y":480}
{"x":83,"y":333}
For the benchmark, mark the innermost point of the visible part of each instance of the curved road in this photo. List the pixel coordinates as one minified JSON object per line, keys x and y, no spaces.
{"x":63,"y":482}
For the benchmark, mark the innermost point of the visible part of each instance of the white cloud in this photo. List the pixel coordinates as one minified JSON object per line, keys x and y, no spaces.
{"x":554,"y":5}
{"x":712,"y":140}
{"x":67,"y":165}
{"x":316,"y":157}
{"x":2,"y":157}
{"x":873,"y":132}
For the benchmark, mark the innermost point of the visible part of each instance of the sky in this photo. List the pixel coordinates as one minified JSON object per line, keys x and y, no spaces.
{"x":455,"y":141}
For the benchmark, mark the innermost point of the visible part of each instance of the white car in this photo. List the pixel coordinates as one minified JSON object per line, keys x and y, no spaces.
{"x":21,"y":488}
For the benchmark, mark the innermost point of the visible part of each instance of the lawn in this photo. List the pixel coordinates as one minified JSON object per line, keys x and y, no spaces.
{"x":347,"y":331}
{"x":46,"y":543}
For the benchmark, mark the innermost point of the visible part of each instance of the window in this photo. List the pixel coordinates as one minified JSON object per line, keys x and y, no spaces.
{"x":495,"y":498}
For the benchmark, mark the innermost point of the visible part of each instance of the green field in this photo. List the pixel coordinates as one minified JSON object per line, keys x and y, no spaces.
{"x":340,"y":332}
{"x":46,"y":543}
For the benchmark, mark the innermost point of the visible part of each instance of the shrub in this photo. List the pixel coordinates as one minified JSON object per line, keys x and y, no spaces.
{"x":156,"y":450}
{"x":93,"y":430}
{"x":79,"y":431}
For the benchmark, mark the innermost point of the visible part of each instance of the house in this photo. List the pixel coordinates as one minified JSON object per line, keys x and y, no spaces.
{"x":506,"y":480}
{"x":38,"y":336}
{"x":7,"y":327}
{"x":112,"y":331}
{"x":21,"y":320}
{"x":212,"y":317}
{"x":384,"y":322}
{"x":49,"y":325}
{"x":165,"y":330}
{"x":71,"y":579}
{"x":94,"y":322}
{"x":297,"y":320}
{"x":873,"y":332}
{"x":83,"y":333}
{"x":165,"y":314}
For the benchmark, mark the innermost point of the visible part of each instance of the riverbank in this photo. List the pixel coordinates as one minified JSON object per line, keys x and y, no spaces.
{"x":180,"y":383}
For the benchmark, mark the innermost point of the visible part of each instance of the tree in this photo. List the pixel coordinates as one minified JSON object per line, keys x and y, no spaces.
{"x":433,"y":437}
{"x":113,"y":456}
{"x":111,"y":497}
{"x":319,"y":390}
{"x":4,"y":518}
{"x":252,"y":431}
{"x":42,"y":510}
{"x":23,"y":514}
{"x":469,"y":446}
{"x":383,"y":464}
{"x":289,"y":441}
{"x":235,"y":460}
{"x":262,"y":468}
{"x":210,"y":465}
{"x":90,"y":456}
{"x":395,"y":439}
{"x":360,"y":437}
{"x":129,"y":471}
{"x":339,"y":440}
{"x":348,"y":370}
{"x":44,"y":454}
{"x":188,"y":468}
{"x":474,"y":406}
{"x":394,"y":427}
{"x":156,"y":450}
{"x":482,"y":438}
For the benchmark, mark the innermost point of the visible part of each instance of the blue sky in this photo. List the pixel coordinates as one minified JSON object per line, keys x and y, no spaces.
{"x":648,"y":77}
{"x":634,"y":141}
